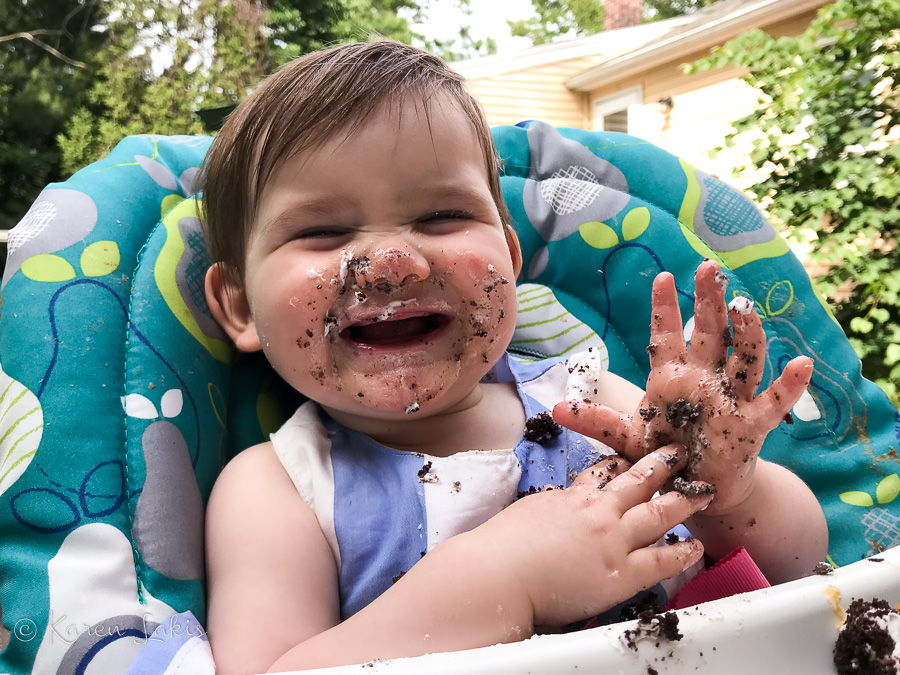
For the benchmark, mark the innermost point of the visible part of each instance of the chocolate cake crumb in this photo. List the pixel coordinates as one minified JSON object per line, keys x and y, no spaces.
{"x":648,"y":414}
{"x":680,"y":413}
{"x":823,"y":568}
{"x":397,"y":578}
{"x":748,"y":358}
{"x":651,"y":349}
{"x":728,"y":389}
{"x":541,"y":428}
{"x":788,"y":418}
{"x":726,"y":338}
{"x":692,"y":488}
{"x":425,"y":475}
{"x":864,"y":644}
{"x":457,"y":486}
{"x":741,"y":375}
{"x":672,"y":538}
{"x":648,"y":601}
{"x":875,"y":559}
{"x":524,"y":493}
{"x":653,"y":626}
{"x":669,"y":459}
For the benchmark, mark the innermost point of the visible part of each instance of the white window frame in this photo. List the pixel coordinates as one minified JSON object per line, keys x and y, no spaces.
{"x":621,"y":100}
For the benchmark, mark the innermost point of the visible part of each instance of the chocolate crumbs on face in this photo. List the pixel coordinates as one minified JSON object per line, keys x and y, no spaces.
{"x":541,"y":428}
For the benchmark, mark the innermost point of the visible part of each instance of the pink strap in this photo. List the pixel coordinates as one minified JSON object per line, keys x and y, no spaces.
{"x":733,"y":574}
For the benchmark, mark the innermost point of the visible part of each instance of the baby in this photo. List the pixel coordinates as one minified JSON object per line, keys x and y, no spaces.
{"x":354,"y":214}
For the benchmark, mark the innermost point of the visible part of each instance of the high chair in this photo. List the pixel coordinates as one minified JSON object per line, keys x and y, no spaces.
{"x":121,"y":399}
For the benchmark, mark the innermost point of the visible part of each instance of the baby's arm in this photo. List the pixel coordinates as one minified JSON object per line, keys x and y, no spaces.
{"x":549,"y":559}
{"x":706,"y":401}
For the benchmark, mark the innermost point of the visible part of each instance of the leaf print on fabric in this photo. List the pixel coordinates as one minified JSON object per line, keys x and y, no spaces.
{"x":21,"y":428}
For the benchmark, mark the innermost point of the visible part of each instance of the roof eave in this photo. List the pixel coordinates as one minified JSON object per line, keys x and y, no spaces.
{"x":678,"y":46}
{"x":494,"y":64}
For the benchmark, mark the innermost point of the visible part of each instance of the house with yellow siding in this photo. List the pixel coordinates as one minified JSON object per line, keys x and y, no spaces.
{"x":630,"y":78}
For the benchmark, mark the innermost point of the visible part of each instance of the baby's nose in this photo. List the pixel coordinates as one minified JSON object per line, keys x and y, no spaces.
{"x":392,"y":267}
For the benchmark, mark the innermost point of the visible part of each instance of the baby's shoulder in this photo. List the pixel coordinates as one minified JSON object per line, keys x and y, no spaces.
{"x":256,"y":468}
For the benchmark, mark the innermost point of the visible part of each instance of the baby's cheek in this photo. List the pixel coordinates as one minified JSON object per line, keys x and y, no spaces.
{"x":489,"y":315}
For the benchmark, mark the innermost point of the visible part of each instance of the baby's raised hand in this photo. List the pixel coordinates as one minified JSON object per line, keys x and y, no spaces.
{"x":704,"y":398}
{"x":576,"y":552}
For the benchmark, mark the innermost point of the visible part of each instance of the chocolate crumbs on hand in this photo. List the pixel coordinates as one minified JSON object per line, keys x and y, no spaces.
{"x":692,"y":488}
{"x":648,"y":414}
{"x":680,"y":413}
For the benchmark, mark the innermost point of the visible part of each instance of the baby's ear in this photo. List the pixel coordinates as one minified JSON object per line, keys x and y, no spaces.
{"x":229,"y":306}
{"x":515,"y":249}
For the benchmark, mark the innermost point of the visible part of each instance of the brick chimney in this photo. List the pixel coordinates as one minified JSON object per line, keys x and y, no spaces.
{"x":623,"y":13}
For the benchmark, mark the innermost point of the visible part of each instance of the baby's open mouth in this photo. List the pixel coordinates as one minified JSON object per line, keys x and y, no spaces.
{"x":395,"y":332}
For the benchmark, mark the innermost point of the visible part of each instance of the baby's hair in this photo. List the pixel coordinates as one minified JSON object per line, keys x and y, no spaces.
{"x":304,"y":104}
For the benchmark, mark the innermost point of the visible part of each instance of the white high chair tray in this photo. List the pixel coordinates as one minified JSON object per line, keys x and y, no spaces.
{"x":789,"y":628}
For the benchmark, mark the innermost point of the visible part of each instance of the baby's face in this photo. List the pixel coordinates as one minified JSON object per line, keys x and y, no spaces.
{"x":379,"y":277}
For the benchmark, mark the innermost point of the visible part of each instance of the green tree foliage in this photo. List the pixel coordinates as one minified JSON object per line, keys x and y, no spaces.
{"x":560,"y":18}
{"x":828,"y":129}
{"x":43,"y":44}
{"x":464,"y":46}
{"x":666,"y":9}
{"x":160,"y":62}
{"x":78,"y":75}
{"x":301,"y":26}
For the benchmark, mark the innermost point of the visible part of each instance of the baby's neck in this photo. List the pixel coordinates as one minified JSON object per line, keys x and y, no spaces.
{"x":490,"y":417}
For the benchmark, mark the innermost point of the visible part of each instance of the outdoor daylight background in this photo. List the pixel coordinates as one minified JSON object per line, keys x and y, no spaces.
{"x":76,"y":76}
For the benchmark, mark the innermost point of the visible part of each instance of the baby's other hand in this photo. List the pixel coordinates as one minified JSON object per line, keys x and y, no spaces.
{"x":703,"y":399}
{"x":576,"y":552}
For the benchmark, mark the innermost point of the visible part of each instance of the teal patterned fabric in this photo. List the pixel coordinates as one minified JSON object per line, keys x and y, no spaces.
{"x":120,"y":398}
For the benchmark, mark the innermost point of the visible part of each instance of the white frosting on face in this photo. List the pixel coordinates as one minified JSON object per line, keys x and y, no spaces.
{"x":313,"y":273}
{"x":741,"y":305}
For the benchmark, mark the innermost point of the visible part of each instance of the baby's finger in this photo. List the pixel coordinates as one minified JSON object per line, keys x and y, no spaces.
{"x":601,"y":473}
{"x":644,"y":479}
{"x":711,"y":336}
{"x":774,"y":404}
{"x":647,"y":522}
{"x":747,"y":361}
{"x":655,"y":563}
{"x":666,"y":332}
{"x":598,"y":421}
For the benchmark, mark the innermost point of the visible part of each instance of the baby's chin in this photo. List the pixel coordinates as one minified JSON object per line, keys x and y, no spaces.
{"x":402,"y":393}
